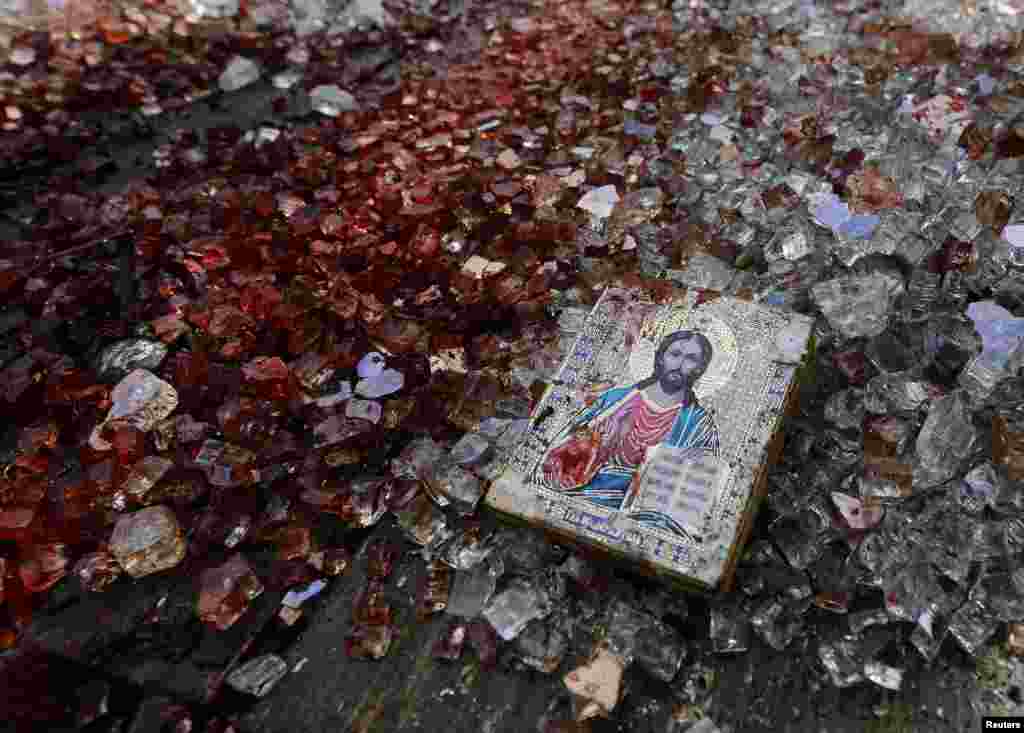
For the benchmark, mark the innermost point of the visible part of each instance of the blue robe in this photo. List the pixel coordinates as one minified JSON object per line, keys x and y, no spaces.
{"x":692,"y":428}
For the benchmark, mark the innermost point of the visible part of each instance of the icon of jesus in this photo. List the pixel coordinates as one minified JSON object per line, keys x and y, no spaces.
{"x":599,"y":454}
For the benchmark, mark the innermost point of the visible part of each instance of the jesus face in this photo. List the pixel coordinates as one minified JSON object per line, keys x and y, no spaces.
{"x":681,"y":365}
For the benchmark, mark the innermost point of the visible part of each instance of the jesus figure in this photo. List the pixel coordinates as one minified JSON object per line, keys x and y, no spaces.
{"x":598,"y":455}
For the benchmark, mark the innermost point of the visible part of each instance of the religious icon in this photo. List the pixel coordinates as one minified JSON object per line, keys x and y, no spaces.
{"x":653,"y":439}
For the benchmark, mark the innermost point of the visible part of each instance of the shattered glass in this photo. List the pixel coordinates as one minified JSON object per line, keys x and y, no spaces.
{"x":522,"y":601}
{"x":300,"y":328}
{"x":148,"y":541}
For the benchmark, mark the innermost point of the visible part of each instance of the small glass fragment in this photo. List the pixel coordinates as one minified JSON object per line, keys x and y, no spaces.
{"x":141,"y":400}
{"x":338,"y":429}
{"x":947,"y":437}
{"x":371,"y":365}
{"x":858,"y":306}
{"x":225,"y":592}
{"x":891,"y":678}
{"x":928,"y":644}
{"x":239,"y":72}
{"x":470,"y":448}
{"x":148,"y":541}
{"x":599,"y":202}
{"x":120,"y":358}
{"x":480,"y":268}
{"x":863,"y":619}
{"x":289,"y":616}
{"x":543,"y":644}
{"x":472,"y":589}
{"x":387,"y":382}
{"x":214,"y":8}
{"x":778,"y":622}
{"x":660,"y":650}
{"x":295,"y":598}
{"x":1001,"y":333}
{"x":512,"y":609}
{"x":843,"y":660}
{"x":238,"y":531}
{"x":364,"y":410}
{"x":459,"y":487}
{"x":972,"y":625}
{"x":468,"y":548}
{"x":330,"y":100}
{"x":258,"y":676}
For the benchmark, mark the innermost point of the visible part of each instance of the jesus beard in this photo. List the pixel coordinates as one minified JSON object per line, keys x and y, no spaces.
{"x":675,"y":381}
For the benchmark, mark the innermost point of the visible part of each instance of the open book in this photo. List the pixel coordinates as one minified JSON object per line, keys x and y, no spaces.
{"x":676,"y":489}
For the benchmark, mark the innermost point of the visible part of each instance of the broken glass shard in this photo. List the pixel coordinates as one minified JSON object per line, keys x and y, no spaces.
{"x":470,"y":449}
{"x":972,"y":625}
{"x":295,"y":598}
{"x":370,"y":365}
{"x":599,"y":202}
{"x":459,"y":487}
{"x":240,"y":72}
{"x":148,"y":541}
{"x":659,"y":650}
{"x":858,"y":306}
{"x":214,"y":8}
{"x":258,"y":676}
{"x":883,"y":675}
{"x":542,"y":645}
{"x":225,"y":592}
{"x":1002,"y":334}
{"x":472,"y":589}
{"x":946,"y":439}
{"x":512,"y":609}
{"x":387,"y":382}
{"x":141,"y":400}
{"x":331,"y":100}
{"x":842,"y":660}
{"x":364,"y":410}
{"x":122,"y":357}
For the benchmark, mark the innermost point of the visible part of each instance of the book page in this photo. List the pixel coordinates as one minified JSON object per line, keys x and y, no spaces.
{"x":680,"y":483}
